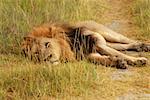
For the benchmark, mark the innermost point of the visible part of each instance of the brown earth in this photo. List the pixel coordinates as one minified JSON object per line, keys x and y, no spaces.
{"x":120,"y":19}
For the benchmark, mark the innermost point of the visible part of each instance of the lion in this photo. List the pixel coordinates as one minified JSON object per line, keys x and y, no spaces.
{"x":53,"y":51}
{"x":84,"y":40}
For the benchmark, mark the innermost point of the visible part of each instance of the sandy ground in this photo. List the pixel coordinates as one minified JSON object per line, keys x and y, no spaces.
{"x":119,"y":19}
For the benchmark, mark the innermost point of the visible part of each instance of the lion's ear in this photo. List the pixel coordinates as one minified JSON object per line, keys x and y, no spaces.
{"x":51,"y":28}
{"x":26,"y":38}
{"x":29,"y":38}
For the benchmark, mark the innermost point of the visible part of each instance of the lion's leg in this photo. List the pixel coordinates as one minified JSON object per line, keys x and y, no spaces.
{"x":137,"y":46}
{"x":118,"y":46}
{"x":107,"y":60}
{"x":102,"y":48}
{"x":107,"y":33}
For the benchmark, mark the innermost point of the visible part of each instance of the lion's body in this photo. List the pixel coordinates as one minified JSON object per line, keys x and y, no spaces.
{"x":83,"y":40}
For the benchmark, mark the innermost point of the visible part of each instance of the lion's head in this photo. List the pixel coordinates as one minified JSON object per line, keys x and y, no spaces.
{"x":42,"y":49}
{"x":50,"y":50}
{"x":48,"y":43}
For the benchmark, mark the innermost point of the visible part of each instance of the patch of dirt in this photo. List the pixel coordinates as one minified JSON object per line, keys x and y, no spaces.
{"x":121,"y":75}
{"x":119,"y":18}
{"x":131,"y":96}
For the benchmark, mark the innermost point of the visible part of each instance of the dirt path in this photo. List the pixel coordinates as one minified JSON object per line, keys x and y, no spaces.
{"x":119,"y":19}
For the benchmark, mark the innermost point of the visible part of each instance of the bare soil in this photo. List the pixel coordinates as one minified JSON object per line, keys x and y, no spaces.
{"x":120,"y":19}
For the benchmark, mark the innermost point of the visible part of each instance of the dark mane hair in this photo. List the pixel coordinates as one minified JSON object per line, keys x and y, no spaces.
{"x":80,"y":44}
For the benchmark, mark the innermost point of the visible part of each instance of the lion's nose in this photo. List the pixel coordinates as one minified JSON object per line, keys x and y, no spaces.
{"x":44,"y":59}
{"x":49,"y":57}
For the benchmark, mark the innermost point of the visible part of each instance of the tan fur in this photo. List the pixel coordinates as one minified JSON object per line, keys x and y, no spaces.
{"x":50,"y":31}
{"x":62,"y":36}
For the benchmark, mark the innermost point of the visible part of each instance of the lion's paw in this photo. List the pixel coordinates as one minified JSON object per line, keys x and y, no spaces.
{"x":142,"y":47}
{"x":121,"y":64}
{"x":118,"y":63}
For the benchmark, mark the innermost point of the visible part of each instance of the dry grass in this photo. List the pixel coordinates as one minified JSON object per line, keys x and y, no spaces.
{"x":141,"y":11}
{"x":23,"y":79}
{"x":19,"y":16}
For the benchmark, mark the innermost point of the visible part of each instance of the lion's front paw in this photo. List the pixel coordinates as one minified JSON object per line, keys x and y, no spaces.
{"x":121,"y":64}
{"x":118,"y":63}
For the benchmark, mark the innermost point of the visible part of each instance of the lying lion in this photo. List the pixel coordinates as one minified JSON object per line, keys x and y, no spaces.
{"x":89,"y":40}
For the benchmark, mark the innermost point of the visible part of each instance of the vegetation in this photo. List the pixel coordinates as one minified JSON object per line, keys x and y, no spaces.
{"x":19,"y":16}
{"x":27,"y":80}
{"x":23,"y":79}
{"x":142,"y":16}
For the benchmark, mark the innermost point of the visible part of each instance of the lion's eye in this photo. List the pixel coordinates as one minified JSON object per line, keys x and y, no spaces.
{"x":47,"y":44}
{"x":36,"y":52}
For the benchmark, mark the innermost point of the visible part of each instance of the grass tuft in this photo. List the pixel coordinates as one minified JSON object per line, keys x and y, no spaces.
{"x":142,"y":16}
{"x":31,"y":80}
{"x":19,"y":16}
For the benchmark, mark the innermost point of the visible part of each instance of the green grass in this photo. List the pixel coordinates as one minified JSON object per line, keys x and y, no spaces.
{"x":21,"y":79}
{"x":17,"y":17}
{"x":141,"y":12}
